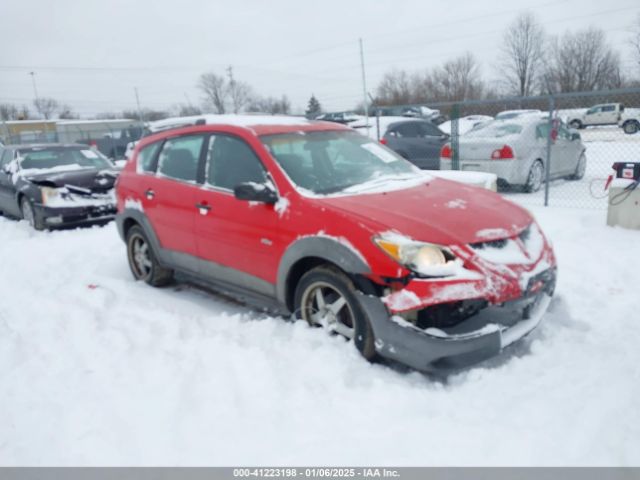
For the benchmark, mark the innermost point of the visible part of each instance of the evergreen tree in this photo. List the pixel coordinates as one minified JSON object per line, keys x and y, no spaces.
{"x":313,"y":108}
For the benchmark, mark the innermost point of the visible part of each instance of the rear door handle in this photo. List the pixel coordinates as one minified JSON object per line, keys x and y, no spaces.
{"x":150,"y":194}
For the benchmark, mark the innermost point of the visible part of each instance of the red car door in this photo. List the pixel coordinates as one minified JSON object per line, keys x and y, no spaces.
{"x":169,"y":196}
{"x":234,"y":233}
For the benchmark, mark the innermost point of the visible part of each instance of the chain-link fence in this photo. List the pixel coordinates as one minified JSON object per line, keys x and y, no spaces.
{"x":110,"y":137}
{"x":557,"y":150}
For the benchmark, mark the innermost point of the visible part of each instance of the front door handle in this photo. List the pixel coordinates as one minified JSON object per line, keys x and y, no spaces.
{"x":150,"y":194}
{"x":203,"y":208}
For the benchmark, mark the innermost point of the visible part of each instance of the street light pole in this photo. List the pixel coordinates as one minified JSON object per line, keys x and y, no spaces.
{"x":33,"y":80}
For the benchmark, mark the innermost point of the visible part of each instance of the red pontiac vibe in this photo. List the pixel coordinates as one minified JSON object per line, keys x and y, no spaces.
{"x":314,"y":219}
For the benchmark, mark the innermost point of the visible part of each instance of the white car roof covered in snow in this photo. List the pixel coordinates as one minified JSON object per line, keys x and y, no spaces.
{"x":237,"y":120}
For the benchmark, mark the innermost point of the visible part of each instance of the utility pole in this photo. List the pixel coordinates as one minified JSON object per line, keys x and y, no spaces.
{"x":364,"y":87}
{"x":35,"y":90}
{"x":135,"y":89}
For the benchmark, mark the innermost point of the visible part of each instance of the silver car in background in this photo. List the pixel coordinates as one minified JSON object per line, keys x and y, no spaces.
{"x":515,"y":150}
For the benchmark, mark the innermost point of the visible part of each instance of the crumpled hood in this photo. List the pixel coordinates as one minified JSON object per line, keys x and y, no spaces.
{"x":89,"y":179}
{"x":439,"y":211}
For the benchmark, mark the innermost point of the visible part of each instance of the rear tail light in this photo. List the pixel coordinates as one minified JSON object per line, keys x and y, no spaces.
{"x":445,"y":151}
{"x":93,"y":144}
{"x":383,"y":141}
{"x":504,"y":153}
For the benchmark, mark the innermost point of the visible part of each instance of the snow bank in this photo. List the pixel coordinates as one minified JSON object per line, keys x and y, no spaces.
{"x":96,"y":369}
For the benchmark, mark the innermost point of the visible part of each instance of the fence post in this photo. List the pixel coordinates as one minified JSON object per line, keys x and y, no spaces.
{"x":455,"y":137}
{"x":548,"y":155}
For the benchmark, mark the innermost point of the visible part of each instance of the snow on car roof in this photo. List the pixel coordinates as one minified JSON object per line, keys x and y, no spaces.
{"x":236,"y":120}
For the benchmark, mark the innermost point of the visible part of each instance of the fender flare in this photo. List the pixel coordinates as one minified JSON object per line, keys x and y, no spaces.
{"x":323,"y":247}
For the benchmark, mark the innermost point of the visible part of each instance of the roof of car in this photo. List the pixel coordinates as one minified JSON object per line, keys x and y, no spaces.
{"x":20,"y":146}
{"x":259,"y":124}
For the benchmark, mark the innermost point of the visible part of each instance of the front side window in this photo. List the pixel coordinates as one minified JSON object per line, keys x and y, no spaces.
{"x":408,"y":130}
{"x":329,"y":162}
{"x":179,"y":158}
{"x":429,"y":130}
{"x":147,"y":156}
{"x":230,"y":162}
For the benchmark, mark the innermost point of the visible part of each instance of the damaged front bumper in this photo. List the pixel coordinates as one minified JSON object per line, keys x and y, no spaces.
{"x":53,"y":217}
{"x":473,"y":340}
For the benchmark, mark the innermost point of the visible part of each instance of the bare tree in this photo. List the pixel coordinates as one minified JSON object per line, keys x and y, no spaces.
{"x":215,"y":91}
{"x":45,"y":106}
{"x":521,"y":54}
{"x":635,"y":39}
{"x":8,"y":111}
{"x":270,"y":105}
{"x":65,"y":112}
{"x":187,"y":110}
{"x":239,"y":92}
{"x":395,"y":88}
{"x":582,"y":61}
{"x":457,"y":80}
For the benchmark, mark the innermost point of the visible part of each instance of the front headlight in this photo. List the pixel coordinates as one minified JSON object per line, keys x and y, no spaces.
{"x":52,"y":195}
{"x":423,"y":258}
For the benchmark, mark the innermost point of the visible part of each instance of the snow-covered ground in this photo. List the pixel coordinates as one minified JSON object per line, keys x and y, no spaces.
{"x":96,"y":369}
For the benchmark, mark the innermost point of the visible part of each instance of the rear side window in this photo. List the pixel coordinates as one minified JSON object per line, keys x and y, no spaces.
{"x":409,"y":130}
{"x":429,"y":130}
{"x":179,"y":158}
{"x":230,"y":162}
{"x":147,"y":156}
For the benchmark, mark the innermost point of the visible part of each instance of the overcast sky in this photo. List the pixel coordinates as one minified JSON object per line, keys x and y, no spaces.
{"x":91,"y":54}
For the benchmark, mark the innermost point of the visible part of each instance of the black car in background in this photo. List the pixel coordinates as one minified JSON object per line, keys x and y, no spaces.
{"x":419,"y":141}
{"x":53,"y":185}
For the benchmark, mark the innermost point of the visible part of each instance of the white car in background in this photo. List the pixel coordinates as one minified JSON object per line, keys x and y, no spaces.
{"x":465,"y":124}
{"x":598,"y":115}
{"x":515,"y":150}
{"x":508,"y":114}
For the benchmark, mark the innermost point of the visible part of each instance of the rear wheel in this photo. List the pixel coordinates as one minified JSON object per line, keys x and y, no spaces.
{"x":29,"y":214}
{"x":631,"y":127}
{"x":142,"y":261}
{"x":535,"y":177}
{"x":325,"y":297}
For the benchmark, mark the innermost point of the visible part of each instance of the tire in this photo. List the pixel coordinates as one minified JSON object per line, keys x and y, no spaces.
{"x":29,"y":214}
{"x":142,"y":260}
{"x":535,"y":179}
{"x":577,"y":124}
{"x":334,"y":289}
{"x":631,"y":127}
{"x":581,"y":168}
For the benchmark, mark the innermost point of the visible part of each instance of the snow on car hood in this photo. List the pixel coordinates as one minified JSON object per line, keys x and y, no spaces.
{"x":439,"y":211}
{"x":87,"y":178}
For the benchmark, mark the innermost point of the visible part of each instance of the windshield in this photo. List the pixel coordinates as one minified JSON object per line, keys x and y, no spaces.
{"x":61,"y":157}
{"x":329,"y":162}
{"x":495,"y":129}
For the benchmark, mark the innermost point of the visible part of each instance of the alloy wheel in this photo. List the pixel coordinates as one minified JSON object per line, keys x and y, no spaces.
{"x":323,"y":305}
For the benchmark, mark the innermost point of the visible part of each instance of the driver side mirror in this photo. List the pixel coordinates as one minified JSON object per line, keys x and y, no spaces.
{"x":255,"y":192}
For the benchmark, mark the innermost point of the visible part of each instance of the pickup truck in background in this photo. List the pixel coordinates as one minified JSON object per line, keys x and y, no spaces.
{"x":603,"y":114}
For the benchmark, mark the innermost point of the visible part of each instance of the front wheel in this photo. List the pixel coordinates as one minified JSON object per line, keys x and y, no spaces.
{"x":577,"y":124}
{"x":631,"y":127}
{"x":29,"y":214}
{"x":535,"y":177}
{"x":581,"y":168}
{"x":325,"y":297}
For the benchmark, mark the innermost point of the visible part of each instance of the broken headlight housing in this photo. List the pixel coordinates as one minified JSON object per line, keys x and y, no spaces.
{"x":422,"y":258}
{"x":51,"y":195}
